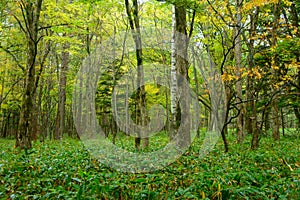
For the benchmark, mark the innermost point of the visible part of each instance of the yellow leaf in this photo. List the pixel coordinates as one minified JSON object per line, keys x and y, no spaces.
{"x":203,"y":195}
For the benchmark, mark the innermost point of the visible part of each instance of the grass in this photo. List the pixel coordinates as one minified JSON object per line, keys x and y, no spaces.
{"x":54,"y":170}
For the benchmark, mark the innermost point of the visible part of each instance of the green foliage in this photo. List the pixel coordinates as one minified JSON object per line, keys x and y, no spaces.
{"x":65,"y":170}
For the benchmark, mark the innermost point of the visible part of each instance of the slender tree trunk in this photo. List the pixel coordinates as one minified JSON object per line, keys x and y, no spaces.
{"x":6,"y":125}
{"x":61,"y":108}
{"x":41,"y":116}
{"x":224,"y":130}
{"x":248,"y":120}
{"x":297,"y":114}
{"x":282,"y":121}
{"x":295,"y":13}
{"x":251,"y":112}
{"x":275,"y":106}
{"x":133,"y":16}
{"x":197,"y":92}
{"x":276,"y":120}
{"x":238,"y":62}
{"x":173,"y":87}
{"x":1,"y":99}
{"x":80,"y":126}
{"x":114,"y":113}
{"x":34,"y":130}
{"x":267,"y":119}
{"x":228,"y":98}
{"x":168,"y":123}
{"x":256,"y":132}
{"x":49,"y":104}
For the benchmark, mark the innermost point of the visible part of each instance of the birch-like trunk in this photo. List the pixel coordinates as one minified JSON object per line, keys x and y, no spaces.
{"x":173,"y":87}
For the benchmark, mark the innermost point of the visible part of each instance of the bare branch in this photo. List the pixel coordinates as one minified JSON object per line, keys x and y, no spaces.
{"x":14,"y":58}
{"x":51,"y":26}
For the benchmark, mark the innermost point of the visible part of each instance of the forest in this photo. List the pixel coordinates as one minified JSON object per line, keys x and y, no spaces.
{"x":149,"y":99}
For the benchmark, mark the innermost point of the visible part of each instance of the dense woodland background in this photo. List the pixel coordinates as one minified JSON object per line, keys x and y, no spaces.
{"x":253,"y":44}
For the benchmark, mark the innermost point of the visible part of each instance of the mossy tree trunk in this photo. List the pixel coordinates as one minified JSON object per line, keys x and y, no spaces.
{"x":30,"y":26}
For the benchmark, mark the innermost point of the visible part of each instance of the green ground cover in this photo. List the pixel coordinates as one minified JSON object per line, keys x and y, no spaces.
{"x":54,"y":170}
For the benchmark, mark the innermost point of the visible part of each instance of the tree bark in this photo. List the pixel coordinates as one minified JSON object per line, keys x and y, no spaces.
{"x":275,"y":107}
{"x":256,"y":132}
{"x":133,"y":16}
{"x":251,"y":116}
{"x":197,"y":91}
{"x":238,"y":62}
{"x":173,"y":86}
{"x":1,"y":100}
{"x":31,"y":17}
{"x":182,"y":65}
{"x":294,"y":13}
{"x":61,"y":108}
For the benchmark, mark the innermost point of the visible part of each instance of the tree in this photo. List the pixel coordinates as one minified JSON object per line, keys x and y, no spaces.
{"x":60,"y":120}
{"x":238,"y":62}
{"x":251,"y":116}
{"x":61,"y":108}
{"x":30,"y":26}
{"x":133,"y":17}
{"x":275,"y":61}
{"x":182,"y":66}
{"x":173,"y":84}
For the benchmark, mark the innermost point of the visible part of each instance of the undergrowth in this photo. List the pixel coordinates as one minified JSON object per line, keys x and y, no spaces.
{"x":54,"y":170}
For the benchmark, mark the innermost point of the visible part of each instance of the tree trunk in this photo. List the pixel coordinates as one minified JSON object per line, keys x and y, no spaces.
{"x":275,"y":107}
{"x":256,"y":132}
{"x":224,"y":131}
{"x":42,"y":133}
{"x":61,"y":108}
{"x":197,"y":92}
{"x":114,"y":113}
{"x":31,"y":19}
{"x":295,"y":12}
{"x":282,"y":121}
{"x":248,"y":121}
{"x":297,"y":114}
{"x":34,"y":130}
{"x":267,"y":120}
{"x":1,"y":99}
{"x":276,"y":120}
{"x":238,"y":62}
{"x":24,"y":136}
{"x":251,"y":119}
{"x":173,"y":86}
{"x":181,"y":42}
{"x":141,"y":93}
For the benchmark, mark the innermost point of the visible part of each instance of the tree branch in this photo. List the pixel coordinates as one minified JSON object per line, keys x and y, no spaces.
{"x":51,"y":26}
{"x":14,"y":58}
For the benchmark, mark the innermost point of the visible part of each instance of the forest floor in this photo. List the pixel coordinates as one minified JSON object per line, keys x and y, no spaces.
{"x":54,"y":170}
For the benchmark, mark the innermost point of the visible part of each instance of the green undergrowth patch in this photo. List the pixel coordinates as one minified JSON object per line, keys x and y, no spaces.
{"x":54,"y":170}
